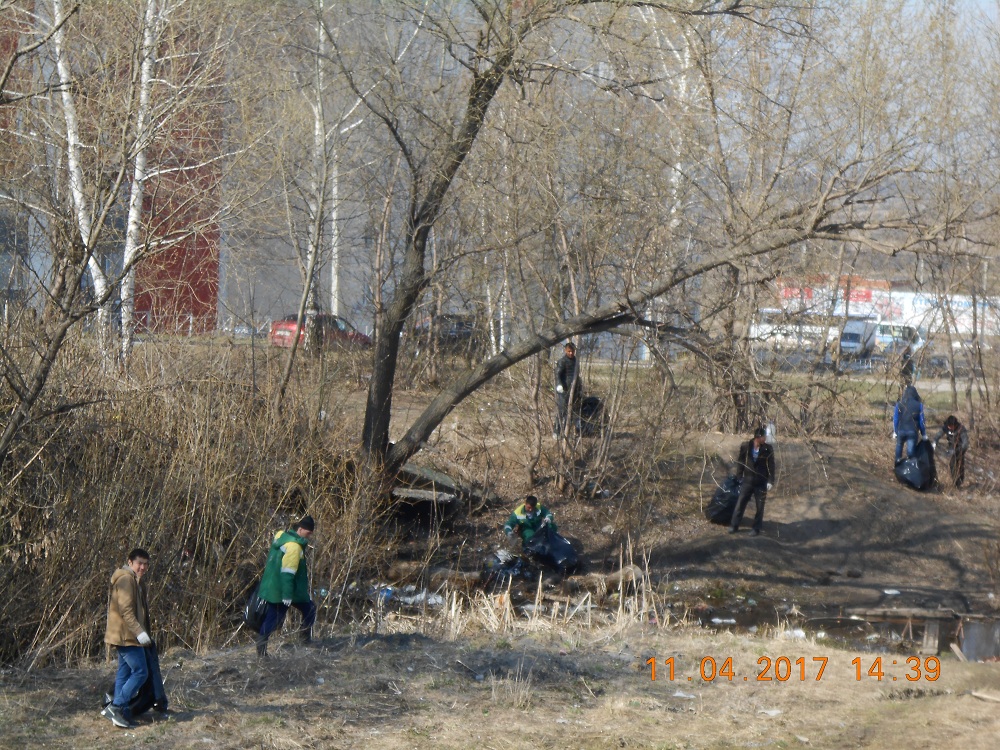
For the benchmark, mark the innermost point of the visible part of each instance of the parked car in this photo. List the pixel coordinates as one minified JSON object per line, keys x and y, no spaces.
{"x":333,"y":331}
{"x":940,"y":367}
{"x":453,"y":332}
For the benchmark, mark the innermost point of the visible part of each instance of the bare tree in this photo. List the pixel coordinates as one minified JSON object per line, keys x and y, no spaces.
{"x":486,"y":45}
{"x":760,"y":168}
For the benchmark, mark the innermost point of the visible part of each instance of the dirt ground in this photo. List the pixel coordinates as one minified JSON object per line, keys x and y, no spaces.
{"x":840,"y":534}
{"x":553,"y":687}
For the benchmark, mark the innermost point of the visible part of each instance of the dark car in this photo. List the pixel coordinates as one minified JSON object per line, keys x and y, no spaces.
{"x":333,"y":331}
{"x":452,"y":332}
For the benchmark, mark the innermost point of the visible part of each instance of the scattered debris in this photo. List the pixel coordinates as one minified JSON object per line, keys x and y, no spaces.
{"x":985,"y":696}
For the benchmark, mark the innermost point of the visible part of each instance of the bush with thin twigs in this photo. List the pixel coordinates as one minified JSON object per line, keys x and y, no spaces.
{"x":194,"y":467}
{"x":188,"y":457}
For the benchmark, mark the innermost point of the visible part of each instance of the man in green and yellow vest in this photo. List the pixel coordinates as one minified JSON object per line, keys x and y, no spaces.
{"x":529,"y":518}
{"x":285,"y":583}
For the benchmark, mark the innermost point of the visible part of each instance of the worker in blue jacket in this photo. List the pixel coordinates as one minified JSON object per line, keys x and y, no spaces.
{"x":908,"y":422}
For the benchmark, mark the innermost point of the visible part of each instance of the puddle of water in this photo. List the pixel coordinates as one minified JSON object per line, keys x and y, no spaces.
{"x":979,"y":638}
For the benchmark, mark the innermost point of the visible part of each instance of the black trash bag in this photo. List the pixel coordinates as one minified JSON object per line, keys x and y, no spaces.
{"x":255,"y":610}
{"x":144,"y":699}
{"x":553,"y":550}
{"x":720,"y":510}
{"x":503,"y":566}
{"x":918,"y":470}
{"x":591,"y":416}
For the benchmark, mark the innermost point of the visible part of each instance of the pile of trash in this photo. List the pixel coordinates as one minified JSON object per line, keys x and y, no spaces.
{"x":382,"y":594}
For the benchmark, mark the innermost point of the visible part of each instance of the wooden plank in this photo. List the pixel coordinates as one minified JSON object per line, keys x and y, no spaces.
{"x":984,"y":696}
{"x":415,"y":474}
{"x":422,"y":496}
{"x":426,"y":478}
{"x":904,"y":613}
{"x":932,"y":637}
{"x":958,"y":652}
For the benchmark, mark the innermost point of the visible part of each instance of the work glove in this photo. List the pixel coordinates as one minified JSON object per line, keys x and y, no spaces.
{"x":545,"y":521}
{"x":559,"y":389}
{"x":287,"y":602}
{"x":894,"y":436}
{"x":769,"y":486}
{"x":144,"y":639}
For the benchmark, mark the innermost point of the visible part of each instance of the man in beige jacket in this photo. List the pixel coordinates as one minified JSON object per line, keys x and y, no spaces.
{"x":128,"y":630}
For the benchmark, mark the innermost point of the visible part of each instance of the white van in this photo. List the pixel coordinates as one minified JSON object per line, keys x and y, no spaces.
{"x":858,"y":337}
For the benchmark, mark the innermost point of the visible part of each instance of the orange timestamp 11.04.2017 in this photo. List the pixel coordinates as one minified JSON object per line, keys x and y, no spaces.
{"x":785,"y":668}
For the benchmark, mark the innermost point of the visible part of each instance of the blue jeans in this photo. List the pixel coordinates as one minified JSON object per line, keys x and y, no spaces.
{"x":910,"y":438}
{"x":132,"y":673}
{"x":275,"y":618}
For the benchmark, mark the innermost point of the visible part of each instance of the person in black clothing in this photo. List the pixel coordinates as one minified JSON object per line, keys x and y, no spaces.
{"x":906,"y":371}
{"x":567,"y":391}
{"x":957,"y":438}
{"x":755,"y":468}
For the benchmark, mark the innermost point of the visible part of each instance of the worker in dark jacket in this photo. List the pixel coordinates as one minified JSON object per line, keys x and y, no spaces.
{"x":568,"y":389}
{"x":957,"y":443}
{"x":908,"y":422}
{"x":285,"y":583}
{"x":755,"y":468}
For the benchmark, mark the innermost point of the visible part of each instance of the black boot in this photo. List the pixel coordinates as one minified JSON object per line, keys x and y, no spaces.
{"x":261,"y":647}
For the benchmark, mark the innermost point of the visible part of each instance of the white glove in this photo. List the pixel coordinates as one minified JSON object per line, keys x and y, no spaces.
{"x":769,"y":486}
{"x":559,"y":389}
{"x":894,"y":436}
{"x":287,"y":602}
{"x":545,"y":521}
{"x":144,"y":639}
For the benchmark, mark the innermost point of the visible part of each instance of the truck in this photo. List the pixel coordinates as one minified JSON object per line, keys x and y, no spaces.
{"x":858,"y":337}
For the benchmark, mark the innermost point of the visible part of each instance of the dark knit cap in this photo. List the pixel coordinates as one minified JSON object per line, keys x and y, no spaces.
{"x":306,"y":523}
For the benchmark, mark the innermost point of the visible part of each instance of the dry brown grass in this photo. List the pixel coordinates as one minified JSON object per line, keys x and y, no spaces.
{"x":571,"y":687}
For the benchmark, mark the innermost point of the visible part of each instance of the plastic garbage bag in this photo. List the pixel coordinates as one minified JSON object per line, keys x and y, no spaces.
{"x":918,"y":470}
{"x":502,"y":566}
{"x":255,"y":609}
{"x":554,"y":550}
{"x":720,"y":509}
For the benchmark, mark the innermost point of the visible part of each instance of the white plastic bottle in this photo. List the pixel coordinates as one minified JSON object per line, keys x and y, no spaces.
{"x":769,"y":436}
